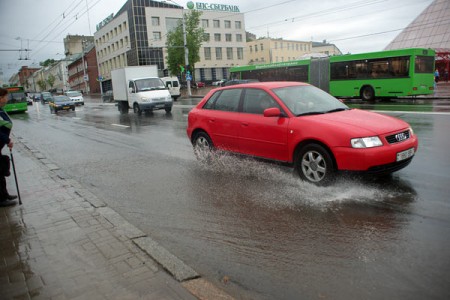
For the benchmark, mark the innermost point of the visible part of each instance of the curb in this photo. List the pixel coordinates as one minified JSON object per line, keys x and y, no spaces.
{"x":188,"y":277}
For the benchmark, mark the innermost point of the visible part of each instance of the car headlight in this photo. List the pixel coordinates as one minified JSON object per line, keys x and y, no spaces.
{"x":169,"y":99}
{"x":366,"y":142}
{"x":145,"y":100}
{"x":411,"y":131}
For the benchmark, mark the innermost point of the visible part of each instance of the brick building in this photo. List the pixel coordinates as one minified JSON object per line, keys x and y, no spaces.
{"x":84,"y":77}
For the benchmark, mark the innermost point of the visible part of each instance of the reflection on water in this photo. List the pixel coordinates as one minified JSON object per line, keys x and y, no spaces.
{"x":269,"y":224}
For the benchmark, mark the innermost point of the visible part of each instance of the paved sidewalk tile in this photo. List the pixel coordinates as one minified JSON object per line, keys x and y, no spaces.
{"x":58,"y":245}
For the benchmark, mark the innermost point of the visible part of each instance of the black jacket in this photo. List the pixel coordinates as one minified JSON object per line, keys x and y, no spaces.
{"x":5,"y":128}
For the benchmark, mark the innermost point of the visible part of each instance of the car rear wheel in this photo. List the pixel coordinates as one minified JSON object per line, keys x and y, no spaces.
{"x":203,"y":146}
{"x":314,"y":164}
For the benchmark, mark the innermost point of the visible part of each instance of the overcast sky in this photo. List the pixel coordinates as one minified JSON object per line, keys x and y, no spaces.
{"x":354,"y":26}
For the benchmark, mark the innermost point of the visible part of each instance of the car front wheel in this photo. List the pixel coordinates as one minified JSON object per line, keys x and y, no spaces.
{"x":203,"y":146}
{"x":314,"y":164}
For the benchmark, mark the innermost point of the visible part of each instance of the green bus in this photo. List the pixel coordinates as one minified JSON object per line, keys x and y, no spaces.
{"x":383,"y":74}
{"x":17,"y":100}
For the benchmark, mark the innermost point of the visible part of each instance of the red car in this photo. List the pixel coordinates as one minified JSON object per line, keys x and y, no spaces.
{"x":300,"y":125}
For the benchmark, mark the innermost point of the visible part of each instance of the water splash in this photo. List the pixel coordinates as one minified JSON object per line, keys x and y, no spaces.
{"x":280,"y":187}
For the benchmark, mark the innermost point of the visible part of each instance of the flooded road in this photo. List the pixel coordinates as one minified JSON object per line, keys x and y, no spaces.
{"x":254,"y":229}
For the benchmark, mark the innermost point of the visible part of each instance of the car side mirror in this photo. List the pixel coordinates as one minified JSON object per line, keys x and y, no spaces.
{"x":272,"y":112}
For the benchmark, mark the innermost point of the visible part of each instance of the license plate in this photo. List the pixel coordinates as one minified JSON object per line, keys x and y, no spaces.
{"x":405,"y":154}
{"x":66,"y":107}
{"x":159,"y":105}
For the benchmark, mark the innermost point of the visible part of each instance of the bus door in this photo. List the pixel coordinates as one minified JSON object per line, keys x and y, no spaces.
{"x":319,"y":73}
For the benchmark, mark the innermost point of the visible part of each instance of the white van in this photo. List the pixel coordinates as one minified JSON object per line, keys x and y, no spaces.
{"x":173,"y":85}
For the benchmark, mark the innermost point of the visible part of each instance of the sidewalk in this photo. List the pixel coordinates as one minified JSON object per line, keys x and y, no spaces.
{"x":65,"y":243}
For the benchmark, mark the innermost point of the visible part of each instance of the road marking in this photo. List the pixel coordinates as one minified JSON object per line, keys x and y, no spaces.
{"x":120,"y":125}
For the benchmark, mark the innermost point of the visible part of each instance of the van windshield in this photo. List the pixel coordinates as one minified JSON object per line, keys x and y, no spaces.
{"x":148,"y":84}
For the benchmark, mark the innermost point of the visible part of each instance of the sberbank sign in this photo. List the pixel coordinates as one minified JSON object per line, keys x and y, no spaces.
{"x":212,"y":6}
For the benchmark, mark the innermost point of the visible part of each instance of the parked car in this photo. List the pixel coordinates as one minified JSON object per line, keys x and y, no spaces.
{"x":108,"y":96}
{"x":45,"y":97}
{"x":238,"y":81}
{"x":173,"y":85}
{"x":219,"y":82}
{"x":58,"y":103}
{"x":301,"y":126}
{"x":200,"y":84}
{"x":75,"y":96}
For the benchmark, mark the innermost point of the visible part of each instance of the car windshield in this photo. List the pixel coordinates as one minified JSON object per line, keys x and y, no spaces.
{"x":61,"y":99}
{"x":149,"y":84}
{"x":73,"y":94}
{"x":308,"y":100}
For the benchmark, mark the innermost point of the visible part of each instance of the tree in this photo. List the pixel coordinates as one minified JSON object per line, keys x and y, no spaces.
{"x":47,"y":62}
{"x":195,"y":35}
{"x":51,"y":80}
{"x":42,"y":84}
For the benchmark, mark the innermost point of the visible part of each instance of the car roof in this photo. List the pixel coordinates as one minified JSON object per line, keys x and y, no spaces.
{"x":267,"y":84}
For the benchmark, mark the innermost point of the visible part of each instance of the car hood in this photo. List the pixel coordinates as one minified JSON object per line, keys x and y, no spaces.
{"x":361,"y":123}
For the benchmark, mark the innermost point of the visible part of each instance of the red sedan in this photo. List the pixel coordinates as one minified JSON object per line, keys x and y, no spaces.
{"x":302,"y":126}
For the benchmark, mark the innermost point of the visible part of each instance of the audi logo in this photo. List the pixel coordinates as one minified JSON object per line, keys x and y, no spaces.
{"x":401,"y":136}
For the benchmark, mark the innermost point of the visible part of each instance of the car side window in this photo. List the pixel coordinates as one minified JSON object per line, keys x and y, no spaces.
{"x":228,"y":100}
{"x":256,"y":101}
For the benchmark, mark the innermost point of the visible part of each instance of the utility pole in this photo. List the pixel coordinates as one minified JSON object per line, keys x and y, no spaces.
{"x":84,"y":67}
{"x":186,"y":57}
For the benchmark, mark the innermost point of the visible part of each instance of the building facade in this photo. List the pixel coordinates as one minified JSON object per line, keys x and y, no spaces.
{"x":24,"y":73}
{"x":136,"y":35}
{"x":267,"y":50}
{"x":83,"y":72}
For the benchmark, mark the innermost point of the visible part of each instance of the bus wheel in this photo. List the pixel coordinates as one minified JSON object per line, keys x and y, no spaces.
{"x":367,"y":93}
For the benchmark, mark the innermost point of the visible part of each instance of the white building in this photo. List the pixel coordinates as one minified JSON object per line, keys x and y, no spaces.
{"x":136,"y":35}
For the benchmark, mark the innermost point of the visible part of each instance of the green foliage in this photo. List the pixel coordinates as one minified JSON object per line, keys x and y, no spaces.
{"x":175,"y":41}
{"x":47,"y":62}
{"x":51,"y":80}
{"x":42,"y":84}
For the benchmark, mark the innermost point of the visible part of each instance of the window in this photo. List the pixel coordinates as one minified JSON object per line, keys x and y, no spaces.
{"x":238,"y":24}
{"x":229,"y":53}
{"x":207,"y":53}
{"x":205,"y":23}
{"x":251,"y":49}
{"x":156,"y":36}
{"x":155,"y":21}
{"x":219,"y":53}
{"x":240,"y":53}
{"x":216,"y":23}
{"x":261,"y":47}
{"x":228,"y":100}
{"x":256,"y":101}
{"x":228,"y":37}
{"x":238,"y":37}
{"x":207,"y":37}
{"x":217,"y":37}
{"x":424,"y":64}
{"x":256,"y":48}
{"x":227,"y":24}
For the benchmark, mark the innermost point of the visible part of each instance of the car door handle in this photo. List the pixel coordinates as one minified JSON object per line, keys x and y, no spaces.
{"x":211,"y":120}
{"x":244,"y":124}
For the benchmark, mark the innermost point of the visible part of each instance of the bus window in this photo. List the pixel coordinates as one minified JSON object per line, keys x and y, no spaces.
{"x":424,"y":64}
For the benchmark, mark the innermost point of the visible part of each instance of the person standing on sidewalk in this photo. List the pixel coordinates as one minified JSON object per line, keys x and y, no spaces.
{"x":5,"y":129}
